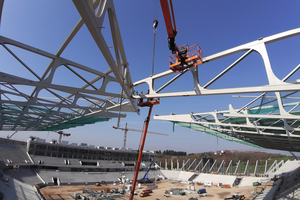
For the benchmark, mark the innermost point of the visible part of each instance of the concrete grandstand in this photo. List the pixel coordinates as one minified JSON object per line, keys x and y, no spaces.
{"x":38,"y":163}
{"x":22,"y":170}
{"x":25,"y":170}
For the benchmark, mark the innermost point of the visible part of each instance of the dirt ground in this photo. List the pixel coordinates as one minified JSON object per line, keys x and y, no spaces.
{"x":214,"y":193}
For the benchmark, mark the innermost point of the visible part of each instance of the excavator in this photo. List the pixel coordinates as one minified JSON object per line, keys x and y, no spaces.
{"x":184,"y":56}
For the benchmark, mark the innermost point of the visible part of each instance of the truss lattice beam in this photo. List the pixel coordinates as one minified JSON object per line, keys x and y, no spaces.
{"x":40,"y":101}
{"x":271,"y":124}
{"x":259,"y":46}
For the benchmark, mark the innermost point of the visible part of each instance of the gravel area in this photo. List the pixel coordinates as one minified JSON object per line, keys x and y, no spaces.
{"x":214,"y":193}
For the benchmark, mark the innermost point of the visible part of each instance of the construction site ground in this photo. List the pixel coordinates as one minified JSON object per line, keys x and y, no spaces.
{"x":67,"y":192}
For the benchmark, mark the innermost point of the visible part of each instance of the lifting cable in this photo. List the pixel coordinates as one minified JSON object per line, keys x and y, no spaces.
{"x":155,"y":23}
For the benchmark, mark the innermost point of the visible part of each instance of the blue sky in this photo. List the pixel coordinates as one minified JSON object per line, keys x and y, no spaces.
{"x":214,"y":25}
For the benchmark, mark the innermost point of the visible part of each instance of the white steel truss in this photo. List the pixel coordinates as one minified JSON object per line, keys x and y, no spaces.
{"x":68,"y":106}
{"x":258,"y":46}
{"x":269,"y":121}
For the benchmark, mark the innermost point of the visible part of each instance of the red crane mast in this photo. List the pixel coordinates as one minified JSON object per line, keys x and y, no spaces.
{"x":149,"y":104}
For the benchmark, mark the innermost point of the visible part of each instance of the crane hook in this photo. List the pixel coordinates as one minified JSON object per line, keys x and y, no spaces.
{"x":155,"y":23}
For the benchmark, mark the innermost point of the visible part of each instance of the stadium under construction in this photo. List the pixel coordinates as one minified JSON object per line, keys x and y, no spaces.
{"x":36,"y":101}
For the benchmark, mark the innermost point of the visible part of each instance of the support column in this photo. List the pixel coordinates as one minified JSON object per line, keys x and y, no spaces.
{"x":256,"y":171}
{"x":266,"y":166}
{"x":166,"y":164}
{"x":247,"y":169}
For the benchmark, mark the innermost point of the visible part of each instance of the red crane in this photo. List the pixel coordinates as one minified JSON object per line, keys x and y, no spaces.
{"x":61,"y":133}
{"x":131,"y":129}
{"x":184,"y":56}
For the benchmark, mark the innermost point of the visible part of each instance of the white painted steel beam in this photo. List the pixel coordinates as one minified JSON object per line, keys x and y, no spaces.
{"x":33,"y":110}
{"x":275,"y":85}
{"x":94,"y":24}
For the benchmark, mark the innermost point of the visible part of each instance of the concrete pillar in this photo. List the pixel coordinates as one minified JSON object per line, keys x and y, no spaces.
{"x":266,"y":166}
{"x":166,"y":164}
{"x":171,"y":164}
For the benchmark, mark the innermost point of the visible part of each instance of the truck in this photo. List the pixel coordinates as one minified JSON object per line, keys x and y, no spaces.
{"x":144,"y":194}
{"x":147,"y":190}
{"x":201,"y":191}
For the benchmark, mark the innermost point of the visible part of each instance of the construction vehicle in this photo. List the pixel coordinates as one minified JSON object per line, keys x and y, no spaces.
{"x":200,"y":191}
{"x":182,"y":57}
{"x":106,"y":190}
{"x":148,"y":190}
{"x":226,"y":186}
{"x":203,"y":195}
{"x":100,"y":183}
{"x":236,"y":197}
{"x":145,"y":178}
{"x":256,"y":184}
{"x":144,"y":194}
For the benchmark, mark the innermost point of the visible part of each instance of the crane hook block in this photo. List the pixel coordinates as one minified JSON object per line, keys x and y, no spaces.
{"x":155,"y":23}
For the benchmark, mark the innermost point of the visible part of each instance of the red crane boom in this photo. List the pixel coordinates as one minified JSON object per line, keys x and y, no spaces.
{"x":61,"y":133}
{"x":171,"y":28}
{"x":137,"y":130}
{"x":184,"y":56}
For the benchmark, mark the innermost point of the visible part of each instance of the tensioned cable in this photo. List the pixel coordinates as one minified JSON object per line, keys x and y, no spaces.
{"x":155,"y":23}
